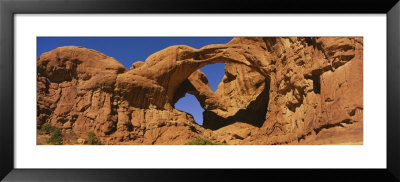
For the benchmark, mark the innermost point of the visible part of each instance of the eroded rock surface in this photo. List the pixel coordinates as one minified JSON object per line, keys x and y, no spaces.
{"x":290,"y":90}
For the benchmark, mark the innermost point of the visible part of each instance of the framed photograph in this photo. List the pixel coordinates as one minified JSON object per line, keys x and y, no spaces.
{"x":185,"y":91}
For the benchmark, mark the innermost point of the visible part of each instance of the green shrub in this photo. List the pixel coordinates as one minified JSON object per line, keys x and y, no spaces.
{"x":92,"y":139}
{"x":200,"y":141}
{"x":56,"y":137}
{"x":72,"y":133}
{"x":47,"y":128}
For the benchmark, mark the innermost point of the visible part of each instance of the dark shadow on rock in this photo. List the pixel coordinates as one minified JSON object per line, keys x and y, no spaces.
{"x":254,"y":114}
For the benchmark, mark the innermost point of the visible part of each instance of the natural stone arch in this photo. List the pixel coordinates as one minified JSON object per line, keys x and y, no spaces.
{"x":163,"y":72}
{"x":164,"y":78}
{"x":316,"y":86}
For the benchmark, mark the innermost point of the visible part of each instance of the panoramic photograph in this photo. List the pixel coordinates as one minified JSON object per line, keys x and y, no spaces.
{"x":199,"y":91}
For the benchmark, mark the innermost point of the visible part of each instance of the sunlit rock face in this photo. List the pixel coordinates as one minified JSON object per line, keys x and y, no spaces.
{"x":290,"y":90}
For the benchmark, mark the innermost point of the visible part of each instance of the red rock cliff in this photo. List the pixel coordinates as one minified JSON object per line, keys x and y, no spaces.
{"x":294,"y":90}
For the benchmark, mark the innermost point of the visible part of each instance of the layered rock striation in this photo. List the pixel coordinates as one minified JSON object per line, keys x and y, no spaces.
{"x":292,"y":90}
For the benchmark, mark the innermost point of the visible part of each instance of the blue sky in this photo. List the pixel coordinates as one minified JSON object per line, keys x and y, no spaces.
{"x":128,"y":50}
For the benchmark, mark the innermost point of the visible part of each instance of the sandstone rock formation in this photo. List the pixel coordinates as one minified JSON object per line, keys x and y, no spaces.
{"x":291,"y":90}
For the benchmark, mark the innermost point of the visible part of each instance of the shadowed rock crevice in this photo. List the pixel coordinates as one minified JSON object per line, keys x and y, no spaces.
{"x":254,"y":114}
{"x":316,"y":80}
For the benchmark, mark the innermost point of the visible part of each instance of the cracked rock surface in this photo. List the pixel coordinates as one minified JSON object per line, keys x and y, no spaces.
{"x":291,"y":90}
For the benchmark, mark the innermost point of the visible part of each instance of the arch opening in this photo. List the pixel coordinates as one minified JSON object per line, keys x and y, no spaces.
{"x":214,"y":73}
{"x":191,"y":105}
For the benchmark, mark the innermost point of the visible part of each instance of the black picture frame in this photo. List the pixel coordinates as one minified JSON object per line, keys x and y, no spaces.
{"x":9,"y":8}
